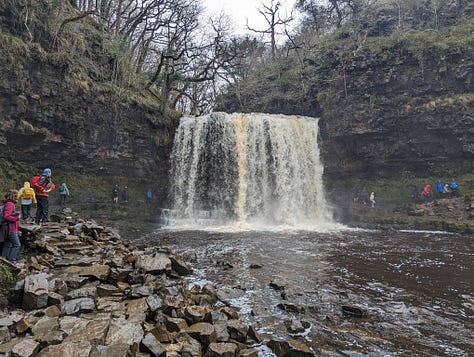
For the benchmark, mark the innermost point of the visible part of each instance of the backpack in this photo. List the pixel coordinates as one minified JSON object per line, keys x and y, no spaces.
{"x":28,"y":193}
{"x":62,"y":189}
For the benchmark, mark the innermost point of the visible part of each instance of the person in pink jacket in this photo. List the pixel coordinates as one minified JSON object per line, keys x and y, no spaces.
{"x":12,"y":245}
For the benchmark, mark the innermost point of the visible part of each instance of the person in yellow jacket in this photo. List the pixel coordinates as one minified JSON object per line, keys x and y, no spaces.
{"x":27,"y":196}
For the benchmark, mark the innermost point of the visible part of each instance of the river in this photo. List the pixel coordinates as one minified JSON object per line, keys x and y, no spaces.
{"x":415,"y":288}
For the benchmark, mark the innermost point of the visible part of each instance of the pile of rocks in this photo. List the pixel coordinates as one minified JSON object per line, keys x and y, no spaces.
{"x":85,"y":292}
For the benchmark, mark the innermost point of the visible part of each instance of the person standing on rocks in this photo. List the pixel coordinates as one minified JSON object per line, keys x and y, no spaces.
{"x":63,"y":193}
{"x":372,"y":199}
{"x":439,"y":188}
{"x":12,"y":244}
{"x":27,"y":197}
{"x":426,"y":192}
{"x":42,"y":185}
{"x":115,"y":193}
{"x":453,"y":185}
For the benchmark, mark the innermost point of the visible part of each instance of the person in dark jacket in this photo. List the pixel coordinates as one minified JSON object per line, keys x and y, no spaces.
{"x":12,"y":244}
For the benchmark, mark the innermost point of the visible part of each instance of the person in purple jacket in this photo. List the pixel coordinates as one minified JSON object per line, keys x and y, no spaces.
{"x":12,"y":245}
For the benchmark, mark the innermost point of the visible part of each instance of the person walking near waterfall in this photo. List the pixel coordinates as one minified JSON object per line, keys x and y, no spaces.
{"x":27,"y":197}
{"x":12,"y":244}
{"x":372,"y":199}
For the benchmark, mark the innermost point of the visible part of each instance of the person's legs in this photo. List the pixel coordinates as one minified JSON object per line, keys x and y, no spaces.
{"x":39,"y":209}
{"x":14,"y":246}
{"x":24,"y":211}
{"x":45,"y":217}
{"x":28,"y":211}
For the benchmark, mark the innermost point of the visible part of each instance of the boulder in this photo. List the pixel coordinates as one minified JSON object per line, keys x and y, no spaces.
{"x":151,"y":344}
{"x":289,"y":348}
{"x":154,"y":265}
{"x":222,"y":350}
{"x":203,"y":332}
{"x":123,"y":332}
{"x":69,"y":349}
{"x":26,"y":348}
{"x":75,"y":306}
{"x":35,"y":293}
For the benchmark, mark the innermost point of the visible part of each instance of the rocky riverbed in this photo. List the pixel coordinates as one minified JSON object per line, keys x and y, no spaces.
{"x":83,"y":291}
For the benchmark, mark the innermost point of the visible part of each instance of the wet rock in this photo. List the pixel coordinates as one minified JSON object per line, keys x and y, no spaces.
{"x":226,"y":294}
{"x":194,"y":314}
{"x":253,"y":334}
{"x":248,"y":352}
{"x":289,"y":348}
{"x":355,"y":311}
{"x":153,"y":345}
{"x":278,"y":283}
{"x":26,"y":348}
{"x":35,"y":295}
{"x":296,"y":326}
{"x":292,"y":308}
{"x":180,"y":266}
{"x":221,"y":350}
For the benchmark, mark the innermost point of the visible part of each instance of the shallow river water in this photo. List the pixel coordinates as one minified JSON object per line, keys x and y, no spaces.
{"x":416,"y":288}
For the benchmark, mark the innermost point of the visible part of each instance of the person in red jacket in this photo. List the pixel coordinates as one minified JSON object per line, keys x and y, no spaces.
{"x":12,"y":245}
{"x":42,"y":185}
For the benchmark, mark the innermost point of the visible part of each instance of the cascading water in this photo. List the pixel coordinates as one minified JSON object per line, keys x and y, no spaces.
{"x":247,"y":170}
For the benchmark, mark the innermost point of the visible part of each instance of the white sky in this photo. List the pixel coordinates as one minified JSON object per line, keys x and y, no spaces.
{"x":241,"y":10}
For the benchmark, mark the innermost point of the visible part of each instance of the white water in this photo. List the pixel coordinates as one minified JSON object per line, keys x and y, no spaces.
{"x":247,"y":171}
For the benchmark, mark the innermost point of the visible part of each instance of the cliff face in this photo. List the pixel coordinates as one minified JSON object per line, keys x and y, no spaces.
{"x":399,"y":109}
{"x":51,"y":116}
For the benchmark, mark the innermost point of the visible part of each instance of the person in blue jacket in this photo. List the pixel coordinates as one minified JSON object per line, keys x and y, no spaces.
{"x":453,"y":185}
{"x":439,"y":188}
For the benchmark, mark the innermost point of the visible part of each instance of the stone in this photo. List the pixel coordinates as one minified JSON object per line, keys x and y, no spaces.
{"x":26,"y":348}
{"x":69,"y":323}
{"x":355,"y":311}
{"x":97,"y":271}
{"x":52,"y":311}
{"x":289,"y":348}
{"x":222,"y":334}
{"x":153,"y":345}
{"x":23,"y":325}
{"x":123,"y":332}
{"x":194,"y":314}
{"x":278,"y":283}
{"x":222,"y":350}
{"x":108,"y":290}
{"x":75,"y":306}
{"x":141,"y":290}
{"x":176,"y":324}
{"x":35,"y":294}
{"x":94,"y":331}
{"x":191,"y":348}
{"x":83,"y":292}
{"x":137,"y":306}
{"x":154,"y":302}
{"x":295,"y":308}
{"x":45,"y":325}
{"x":69,"y":349}
{"x":55,"y":299}
{"x":248,"y":352}
{"x":237,"y":330}
{"x":180,"y":266}
{"x":117,"y":350}
{"x":4,"y":335}
{"x":203,"y":332}
{"x":161,"y":334}
{"x":154,"y":265}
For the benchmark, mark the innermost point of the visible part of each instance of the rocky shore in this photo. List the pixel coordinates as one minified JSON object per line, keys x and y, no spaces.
{"x":83,"y":291}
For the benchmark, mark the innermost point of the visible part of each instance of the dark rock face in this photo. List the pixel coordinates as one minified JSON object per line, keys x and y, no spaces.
{"x":48,"y":119}
{"x":398,"y":110}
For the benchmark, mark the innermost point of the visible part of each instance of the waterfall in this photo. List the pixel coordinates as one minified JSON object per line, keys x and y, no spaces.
{"x":254,"y":170}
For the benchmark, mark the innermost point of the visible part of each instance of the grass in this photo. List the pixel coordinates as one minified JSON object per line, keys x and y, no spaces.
{"x":7,"y":279}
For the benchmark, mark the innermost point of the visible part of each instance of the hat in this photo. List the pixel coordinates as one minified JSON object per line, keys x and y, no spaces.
{"x":46,"y":171}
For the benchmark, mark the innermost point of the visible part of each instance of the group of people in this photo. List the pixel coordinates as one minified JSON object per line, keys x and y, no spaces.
{"x":361,"y":196}
{"x":450,"y":189}
{"x":125,"y":194}
{"x":36,"y":191}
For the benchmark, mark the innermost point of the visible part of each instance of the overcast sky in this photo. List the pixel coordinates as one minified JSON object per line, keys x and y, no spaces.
{"x":241,"y":10}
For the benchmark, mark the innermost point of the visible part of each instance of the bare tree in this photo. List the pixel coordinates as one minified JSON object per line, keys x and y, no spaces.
{"x":271,"y":12}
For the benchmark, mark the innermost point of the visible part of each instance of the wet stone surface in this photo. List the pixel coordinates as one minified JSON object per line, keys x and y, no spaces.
{"x":358,"y":292}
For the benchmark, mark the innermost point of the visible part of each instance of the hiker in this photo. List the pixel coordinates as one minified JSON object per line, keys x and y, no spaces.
{"x":12,"y":244}
{"x":27,"y":197}
{"x":453,"y":185}
{"x":426,"y":192}
{"x":372,"y":199}
{"x":125,"y":194}
{"x":42,"y":185}
{"x":63,"y":193}
{"x":415,"y":195}
{"x":115,"y":193}
{"x":149,"y":195}
{"x":439,"y":188}
{"x":447,"y":190}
